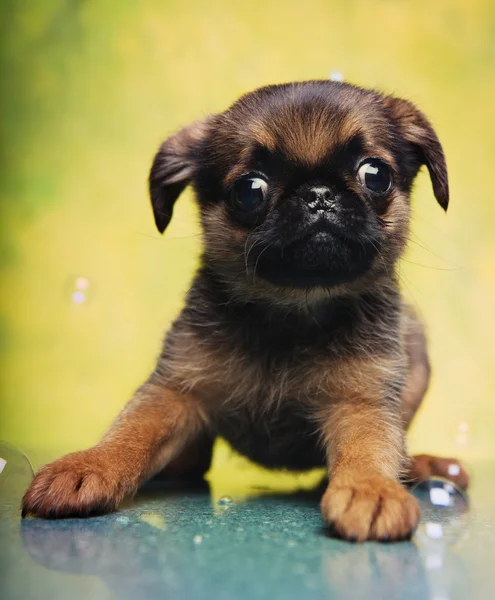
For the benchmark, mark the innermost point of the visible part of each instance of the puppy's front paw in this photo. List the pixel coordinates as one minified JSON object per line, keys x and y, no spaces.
{"x":362,"y":508}
{"x":77,"y":485}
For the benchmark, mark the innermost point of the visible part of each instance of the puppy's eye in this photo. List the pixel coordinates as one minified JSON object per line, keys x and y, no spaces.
{"x":248,"y":193}
{"x":375,"y":176}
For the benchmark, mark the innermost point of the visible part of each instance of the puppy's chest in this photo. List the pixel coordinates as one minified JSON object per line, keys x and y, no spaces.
{"x":259,"y":379}
{"x":247,"y":358}
{"x":224,"y":369}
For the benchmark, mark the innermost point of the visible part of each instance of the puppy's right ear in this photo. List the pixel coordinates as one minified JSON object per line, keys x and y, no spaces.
{"x":173,"y":168}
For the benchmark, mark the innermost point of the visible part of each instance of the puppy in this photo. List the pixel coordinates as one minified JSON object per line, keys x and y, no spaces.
{"x":294,"y":343}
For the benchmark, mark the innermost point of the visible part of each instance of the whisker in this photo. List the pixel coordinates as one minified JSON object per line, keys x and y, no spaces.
{"x":411,"y":262}
{"x":257,"y":260}
{"x":421,"y":245}
{"x":167,"y":237}
{"x":246,"y":254}
{"x":405,"y":281}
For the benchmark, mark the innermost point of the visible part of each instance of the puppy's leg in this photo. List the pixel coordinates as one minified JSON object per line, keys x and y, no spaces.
{"x":422,"y":466}
{"x":193,"y":461}
{"x":364,"y":441}
{"x":418,"y":371}
{"x":150,"y":432}
{"x":364,"y":500}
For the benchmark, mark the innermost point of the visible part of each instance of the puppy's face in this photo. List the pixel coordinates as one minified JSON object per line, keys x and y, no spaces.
{"x":301,"y":186}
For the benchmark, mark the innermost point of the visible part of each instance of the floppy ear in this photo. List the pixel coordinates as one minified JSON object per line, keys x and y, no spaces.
{"x":417,"y":130}
{"x":172,"y":170}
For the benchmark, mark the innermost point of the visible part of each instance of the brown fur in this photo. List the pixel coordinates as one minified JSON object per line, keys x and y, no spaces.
{"x":423,"y":466}
{"x":296,"y":376}
{"x":151,"y":431}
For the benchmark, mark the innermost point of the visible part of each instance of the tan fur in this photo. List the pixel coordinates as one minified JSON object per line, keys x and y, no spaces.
{"x":359,"y":506}
{"x":418,"y":365}
{"x":423,"y":466}
{"x":356,"y":394}
{"x":364,"y":499}
{"x":150,"y":432}
{"x":158,"y":423}
{"x":215,"y":370}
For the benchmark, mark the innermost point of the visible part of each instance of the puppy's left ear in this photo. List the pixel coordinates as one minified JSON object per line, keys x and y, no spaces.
{"x":417,"y":130}
{"x":173,"y":168}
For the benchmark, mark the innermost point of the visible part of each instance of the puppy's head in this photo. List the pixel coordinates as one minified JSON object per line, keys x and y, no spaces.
{"x":301,"y":186}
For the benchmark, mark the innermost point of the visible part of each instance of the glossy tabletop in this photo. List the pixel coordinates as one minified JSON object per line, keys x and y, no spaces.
{"x":206,"y":541}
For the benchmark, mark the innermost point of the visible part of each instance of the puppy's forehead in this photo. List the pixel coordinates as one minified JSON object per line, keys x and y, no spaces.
{"x":306,"y":122}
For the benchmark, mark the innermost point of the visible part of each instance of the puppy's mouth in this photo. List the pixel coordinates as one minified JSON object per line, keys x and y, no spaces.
{"x":323,"y":232}
{"x":322,"y":257}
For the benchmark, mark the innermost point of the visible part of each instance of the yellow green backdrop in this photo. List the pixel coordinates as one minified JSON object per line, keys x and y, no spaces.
{"x":91,"y":88}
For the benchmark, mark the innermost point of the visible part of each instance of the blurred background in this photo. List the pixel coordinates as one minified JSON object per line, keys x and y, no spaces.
{"x":88,"y":287}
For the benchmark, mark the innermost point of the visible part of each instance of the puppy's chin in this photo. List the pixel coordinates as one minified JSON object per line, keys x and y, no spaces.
{"x":321,"y":259}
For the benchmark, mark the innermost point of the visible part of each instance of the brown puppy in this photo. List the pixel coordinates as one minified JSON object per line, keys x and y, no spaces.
{"x":294,"y":343}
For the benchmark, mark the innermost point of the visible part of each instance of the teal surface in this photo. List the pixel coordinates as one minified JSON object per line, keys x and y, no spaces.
{"x":179,"y":543}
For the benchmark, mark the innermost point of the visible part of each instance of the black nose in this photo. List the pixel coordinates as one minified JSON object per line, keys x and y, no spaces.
{"x":320,"y":199}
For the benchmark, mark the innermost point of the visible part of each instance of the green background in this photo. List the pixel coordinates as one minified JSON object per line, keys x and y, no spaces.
{"x":89,"y":90}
